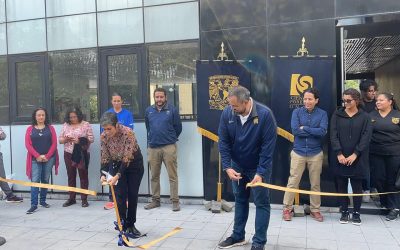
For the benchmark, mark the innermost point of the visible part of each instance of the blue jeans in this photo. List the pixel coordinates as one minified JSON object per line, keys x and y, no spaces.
{"x":41,"y":172}
{"x":262,"y":203}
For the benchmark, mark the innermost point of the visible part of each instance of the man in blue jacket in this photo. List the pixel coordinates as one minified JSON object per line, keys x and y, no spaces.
{"x":247,"y":136}
{"x":163,"y":126}
{"x":309,"y":126}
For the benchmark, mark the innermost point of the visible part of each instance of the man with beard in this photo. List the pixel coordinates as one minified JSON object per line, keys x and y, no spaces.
{"x":163,"y":126}
{"x":247,"y":136}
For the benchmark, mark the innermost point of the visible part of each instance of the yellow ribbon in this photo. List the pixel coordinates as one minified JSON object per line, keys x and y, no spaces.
{"x":50,"y":186}
{"x":300,"y":191}
{"x":152,"y":243}
{"x":124,"y":238}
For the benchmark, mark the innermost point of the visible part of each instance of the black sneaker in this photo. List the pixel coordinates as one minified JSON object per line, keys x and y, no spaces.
{"x":31,"y":210}
{"x":344,"y":219}
{"x":14,"y":199}
{"x":356,"y":220}
{"x":230,"y":242}
{"x":133,"y":233}
{"x":2,"y":240}
{"x":44,"y":204}
{"x":392,"y":216}
{"x":257,"y":247}
{"x":69,"y":202}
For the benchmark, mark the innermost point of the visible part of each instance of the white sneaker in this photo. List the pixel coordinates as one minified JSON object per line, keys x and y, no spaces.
{"x":366,"y":198}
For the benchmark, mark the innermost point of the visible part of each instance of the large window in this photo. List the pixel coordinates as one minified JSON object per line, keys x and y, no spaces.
{"x":171,"y":66}
{"x":73,"y":79}
{"x":4,"y":100}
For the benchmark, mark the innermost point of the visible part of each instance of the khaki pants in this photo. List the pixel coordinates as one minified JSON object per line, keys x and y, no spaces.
{"x":297,"y":166}
{"x":168,"y":155}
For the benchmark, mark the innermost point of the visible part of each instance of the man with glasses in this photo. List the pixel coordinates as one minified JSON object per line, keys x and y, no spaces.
{"x":368,"y":88}
{"x":309,"y":125}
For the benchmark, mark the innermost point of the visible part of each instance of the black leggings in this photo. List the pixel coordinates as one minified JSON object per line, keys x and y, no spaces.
{"x":128,"y":189}
{"x":385,"y":169}
{"x":356,"y":185}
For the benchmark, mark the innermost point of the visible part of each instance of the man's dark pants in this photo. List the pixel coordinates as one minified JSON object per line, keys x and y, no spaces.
{"x":261,"y":201}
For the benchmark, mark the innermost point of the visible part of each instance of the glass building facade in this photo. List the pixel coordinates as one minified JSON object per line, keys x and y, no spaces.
{"x":59,"y":53}
{"x":62,"y":53}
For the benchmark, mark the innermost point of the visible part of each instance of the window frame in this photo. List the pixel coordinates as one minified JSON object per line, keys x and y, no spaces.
{"x":42,"y":58}
{"x":140,"y":51}
{"x":192,"y":117}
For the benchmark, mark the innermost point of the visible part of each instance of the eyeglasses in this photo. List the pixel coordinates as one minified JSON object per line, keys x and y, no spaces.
{"x":347,"y":101}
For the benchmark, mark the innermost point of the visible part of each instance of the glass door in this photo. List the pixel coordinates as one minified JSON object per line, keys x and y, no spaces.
{"x":121,"y":72}
{"x":28,"y":77}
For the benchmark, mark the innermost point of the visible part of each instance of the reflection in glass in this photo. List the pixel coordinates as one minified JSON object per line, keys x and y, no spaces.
{"x":3,"y":44}
{"x":68,"y":7}
{"x":4,"y":98}
{"x":117,"y":4}
{"x":158,"y":2}
{"x":171,"y":66}
{"x":123,"y":77}
{"x":29,"y":87}
{"x":120,"y":27}
{"x":73,"y":79}
{"x":27,"y":36}
{"x":72,"y":32}
{"x":2,"y":11}
{"x":23,"y":9}
{"x":171,"y":22}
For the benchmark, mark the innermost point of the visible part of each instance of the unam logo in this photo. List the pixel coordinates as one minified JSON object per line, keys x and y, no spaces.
{"x":299,"y":84}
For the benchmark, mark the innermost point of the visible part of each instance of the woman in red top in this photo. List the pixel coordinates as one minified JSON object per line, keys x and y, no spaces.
{"x":41,"y":143}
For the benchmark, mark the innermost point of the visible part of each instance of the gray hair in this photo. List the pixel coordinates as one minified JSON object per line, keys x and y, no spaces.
{"x":108,"y":118}
{"x":241,"y":93}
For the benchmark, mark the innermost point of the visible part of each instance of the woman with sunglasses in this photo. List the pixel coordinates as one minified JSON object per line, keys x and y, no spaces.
{"x":350,"y":136}
{"x":121,"y":158}
{"x":385,"y":151}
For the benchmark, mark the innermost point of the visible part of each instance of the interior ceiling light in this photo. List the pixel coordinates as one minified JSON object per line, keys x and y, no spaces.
{"x":387,"y":48}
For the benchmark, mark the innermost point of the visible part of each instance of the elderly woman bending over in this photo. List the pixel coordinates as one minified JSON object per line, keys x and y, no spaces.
{"x":121,"y":158}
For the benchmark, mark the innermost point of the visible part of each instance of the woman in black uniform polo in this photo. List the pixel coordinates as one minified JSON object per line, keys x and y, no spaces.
{"x":385,"y":151}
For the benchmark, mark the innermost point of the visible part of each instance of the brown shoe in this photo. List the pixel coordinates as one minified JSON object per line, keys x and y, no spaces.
{"x":317,"y":216}
{"x":152,"y":205}
{"x":287,"y":214}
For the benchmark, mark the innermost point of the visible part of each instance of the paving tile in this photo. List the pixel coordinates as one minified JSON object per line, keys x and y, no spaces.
{"x":202,"y":244}
{"x":92,"y":228}
{"x":292,"y":241}
{"x":321,"y":244}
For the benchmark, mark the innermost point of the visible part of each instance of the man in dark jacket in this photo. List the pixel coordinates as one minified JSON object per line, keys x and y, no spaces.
{"x":309,"y":126}
{"x":163,"y":126}
{"x":247,"y":136}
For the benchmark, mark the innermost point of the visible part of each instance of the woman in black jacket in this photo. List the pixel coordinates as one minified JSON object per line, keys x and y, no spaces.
{"x":350,"y":137}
